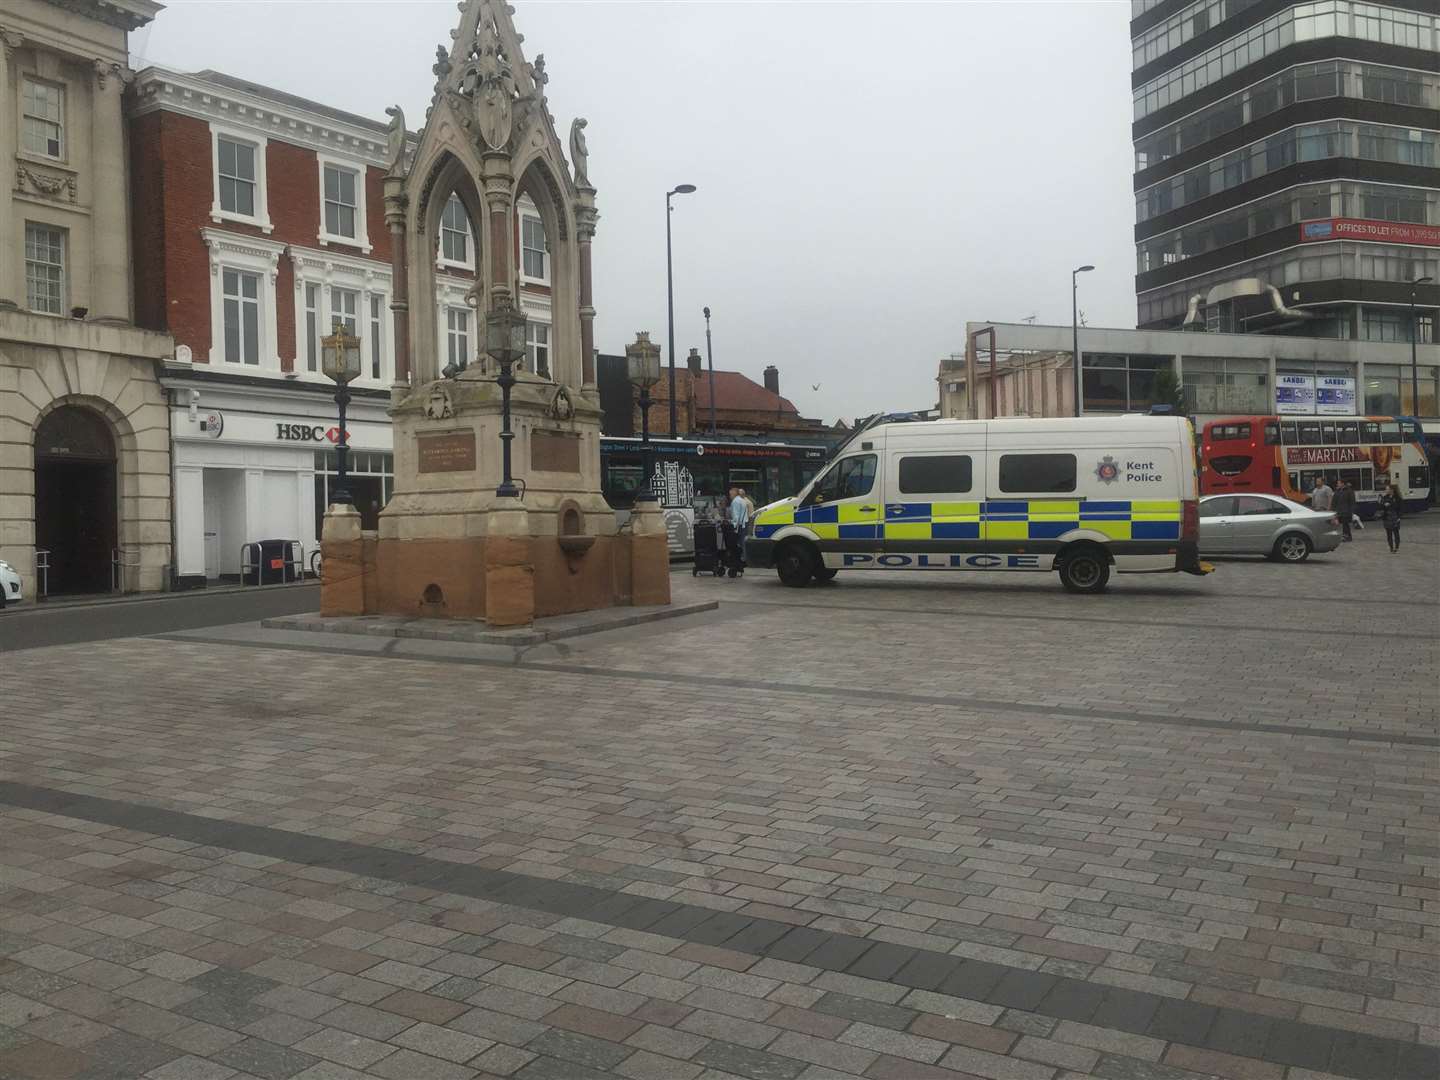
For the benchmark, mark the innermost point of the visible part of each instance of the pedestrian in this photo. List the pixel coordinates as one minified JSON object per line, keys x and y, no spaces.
{"x":749,"y":504}
{"x":1390,"y":516}
{"x":736,"y":516}
{"x":1344,"y":503}
{"x":1321,"y":495}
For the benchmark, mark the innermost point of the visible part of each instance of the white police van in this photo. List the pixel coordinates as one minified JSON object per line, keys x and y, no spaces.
{"x":1079,"y":496}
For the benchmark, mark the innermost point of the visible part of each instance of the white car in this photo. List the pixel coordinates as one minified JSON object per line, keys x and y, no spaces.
{"x":9,"y":584}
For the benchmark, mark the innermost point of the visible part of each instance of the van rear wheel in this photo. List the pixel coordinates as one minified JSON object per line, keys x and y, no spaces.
{"x":796,"y":564}
{"x":1085,"y":570}
{"x":825,"y":573}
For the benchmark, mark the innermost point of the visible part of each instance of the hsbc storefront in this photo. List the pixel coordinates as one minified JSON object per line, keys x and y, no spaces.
{"x":257,"y":463}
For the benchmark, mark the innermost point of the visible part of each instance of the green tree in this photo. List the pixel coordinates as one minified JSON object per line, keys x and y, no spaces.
{"x":1167,"y":390}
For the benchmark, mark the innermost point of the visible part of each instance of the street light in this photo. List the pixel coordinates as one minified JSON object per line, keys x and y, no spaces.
{"x":340,"y":360}
{"x":505,"y":342}
{"x":642,"y":366}
{"x":678,"y":189}
{"x":1075,"y":326}
{"x":710,"y":360}
{"x":1414,"y":337}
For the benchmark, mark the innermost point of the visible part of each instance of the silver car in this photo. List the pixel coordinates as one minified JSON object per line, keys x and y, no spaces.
{"x":1265,"y":525}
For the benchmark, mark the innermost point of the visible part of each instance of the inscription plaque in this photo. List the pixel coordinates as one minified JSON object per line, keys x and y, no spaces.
{"x":446,"y":453}
{"x":554,"y":451}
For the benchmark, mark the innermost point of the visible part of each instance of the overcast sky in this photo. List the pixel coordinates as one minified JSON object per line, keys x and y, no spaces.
{"x":871,"y":175}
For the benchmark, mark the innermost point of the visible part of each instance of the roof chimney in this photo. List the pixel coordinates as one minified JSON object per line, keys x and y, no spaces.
{"x":693,"y":360}
{"x":772,"y":380}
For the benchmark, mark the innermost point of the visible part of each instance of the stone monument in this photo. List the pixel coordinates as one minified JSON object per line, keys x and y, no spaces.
{"x":454,"y":540}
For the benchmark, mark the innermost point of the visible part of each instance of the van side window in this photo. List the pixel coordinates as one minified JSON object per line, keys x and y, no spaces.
{"x":850,"y":478}
{"x":943,"y":475}
{"x":1037,"y":472}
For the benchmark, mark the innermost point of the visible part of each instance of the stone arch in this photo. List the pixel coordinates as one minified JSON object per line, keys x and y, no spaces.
{"x":87,"y":490}
{"x":549,"y":194}
{"x":447,"y":173}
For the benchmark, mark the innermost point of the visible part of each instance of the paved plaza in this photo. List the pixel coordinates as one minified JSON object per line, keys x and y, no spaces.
{"x":900,"y":828}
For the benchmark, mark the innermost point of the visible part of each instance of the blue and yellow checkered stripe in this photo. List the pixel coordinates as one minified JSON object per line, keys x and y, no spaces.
{"x":1009,"y":519}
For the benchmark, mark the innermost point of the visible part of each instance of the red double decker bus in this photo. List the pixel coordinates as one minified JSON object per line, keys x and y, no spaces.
{"x":1285,"y":455}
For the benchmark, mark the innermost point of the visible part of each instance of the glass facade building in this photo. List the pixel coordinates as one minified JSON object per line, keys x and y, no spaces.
{"x":1287,"y":166}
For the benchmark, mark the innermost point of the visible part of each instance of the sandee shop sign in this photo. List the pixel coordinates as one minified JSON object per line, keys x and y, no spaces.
{"x":307,"y":433}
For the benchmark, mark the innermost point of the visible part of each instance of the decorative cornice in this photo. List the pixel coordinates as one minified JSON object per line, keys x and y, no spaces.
{"x":220,"y":243}
{"x":121,"y":14}
{"x":105,"y":69}
{"x":157,"y":90}
{"x":11,"y":40}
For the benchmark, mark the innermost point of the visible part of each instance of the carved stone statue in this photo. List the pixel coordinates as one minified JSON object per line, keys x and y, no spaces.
{"x":395,"y":140}
{"x":441,"y":67}
{"x":537,"y":73}
{"x":579,"y":152}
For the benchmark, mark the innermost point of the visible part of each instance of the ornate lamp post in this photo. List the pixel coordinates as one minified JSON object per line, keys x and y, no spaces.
{"x":505,"y":342}
{"x":340,"y":360}
{"x":642,"y":365}
{"x":679,"y":189}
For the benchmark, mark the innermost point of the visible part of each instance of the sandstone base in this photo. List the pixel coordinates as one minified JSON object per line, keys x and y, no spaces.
{"x":504,"y":580}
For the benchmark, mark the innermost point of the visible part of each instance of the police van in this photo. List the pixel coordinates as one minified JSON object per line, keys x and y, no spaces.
{"x":1080,"y":496}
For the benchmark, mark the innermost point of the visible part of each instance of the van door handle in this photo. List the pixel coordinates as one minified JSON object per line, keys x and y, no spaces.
{"x":869,"y":509}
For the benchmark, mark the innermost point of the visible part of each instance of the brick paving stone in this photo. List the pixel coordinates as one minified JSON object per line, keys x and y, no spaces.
{"x":825,"y":1052}
{"x":863,"y":1009}
{"x":263,"y":1059}
{"x":503,"y":1060}
{"x":579,"y":1049}
{"x":748,"y":1062}
{"x":1058,"y":1054}
{"x":667,"y":1041}
{"x":1219,"y":1064}
{"x":894,"y":1043}
{"x":979,"y":1036}
{"x":370,"y":1020}
{"x":410,"y":1065}
{"x":715,"y":1025}
{"x":344,"y":1047}
{"x":447,"y":1043}
{"x":281,"y":1029}
{"x":190,"y":1067}
{"x":39,"y":1060}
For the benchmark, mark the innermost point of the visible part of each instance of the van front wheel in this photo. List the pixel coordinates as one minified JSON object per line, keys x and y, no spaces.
{"x":795,"y":563}
{"x":1085,"y":570}
{"x":825,"y":573}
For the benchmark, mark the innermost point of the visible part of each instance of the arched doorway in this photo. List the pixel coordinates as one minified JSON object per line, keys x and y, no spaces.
{"x":75,"y":501}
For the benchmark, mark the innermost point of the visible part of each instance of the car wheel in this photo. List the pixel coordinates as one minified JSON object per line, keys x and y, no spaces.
{"x":1292,"y":548}
{"x":1084,"y":571}
{"x":825,"y":573}
{"x":795,"y":563}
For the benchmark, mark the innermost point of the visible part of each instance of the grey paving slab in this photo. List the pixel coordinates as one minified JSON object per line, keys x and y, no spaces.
{"x":1188,"y":848}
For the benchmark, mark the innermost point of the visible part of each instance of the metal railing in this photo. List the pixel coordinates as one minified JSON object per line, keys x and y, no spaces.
{"x":122,"y":559}
{"x":42,"y":571}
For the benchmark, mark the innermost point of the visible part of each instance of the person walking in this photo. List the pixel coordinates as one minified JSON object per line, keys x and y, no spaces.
{"x":1321,"y":495}
{"x":749,"y":504}
{"x":1344,"y":504}
{"x":1390,"y":516}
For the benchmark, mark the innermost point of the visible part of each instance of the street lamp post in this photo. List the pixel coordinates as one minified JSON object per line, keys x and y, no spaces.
{"x":1075,"y":327}
{"x":505,"y":342}
{"x":710,"y":361}
{"x":1414,"y":338}
{"x":340,"y":360}
{"x":642,"y":366}
{"x":678,"y":189}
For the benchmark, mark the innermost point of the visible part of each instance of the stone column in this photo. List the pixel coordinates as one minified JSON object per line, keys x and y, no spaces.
{"x":649,"y":556}
{"x":509,"y":573}
{"x":342,"y":570}
{"x":11,"y":287}
{"x":585,"y":218}
{"x":499,"y":202}
{"x":110,"y":274}
{"x":395,"y":204}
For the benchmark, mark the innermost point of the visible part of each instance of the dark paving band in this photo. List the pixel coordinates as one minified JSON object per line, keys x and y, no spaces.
{"x":1099,"y":714}
{"x":1283,"y":1042}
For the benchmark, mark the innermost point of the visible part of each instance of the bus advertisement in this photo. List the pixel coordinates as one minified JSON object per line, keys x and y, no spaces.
{"x":1286,"y":455}
{"x":691,"y":478}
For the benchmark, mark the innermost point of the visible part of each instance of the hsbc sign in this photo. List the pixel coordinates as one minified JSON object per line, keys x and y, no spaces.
{"x":309,"y":433}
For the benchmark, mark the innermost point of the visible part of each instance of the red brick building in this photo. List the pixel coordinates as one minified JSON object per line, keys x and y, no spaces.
{"x":258,"y":222}
{"x":742,"y":406}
